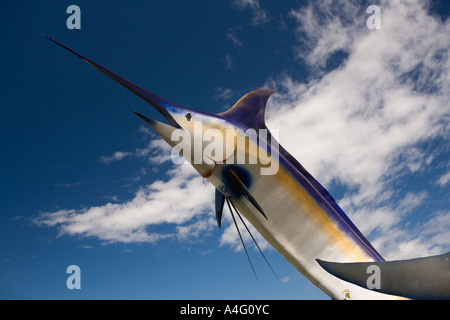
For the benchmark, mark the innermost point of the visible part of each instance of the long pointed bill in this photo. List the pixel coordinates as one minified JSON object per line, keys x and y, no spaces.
{"x":157,"y":102}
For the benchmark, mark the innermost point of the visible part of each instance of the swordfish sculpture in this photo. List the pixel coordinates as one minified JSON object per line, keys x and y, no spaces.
{"x":258,"y":178}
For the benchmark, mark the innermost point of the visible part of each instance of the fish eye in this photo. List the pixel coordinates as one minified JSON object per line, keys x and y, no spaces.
{"x":188,"y":116}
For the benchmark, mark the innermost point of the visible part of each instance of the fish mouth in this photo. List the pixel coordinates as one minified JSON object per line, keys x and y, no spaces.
{"x":165,"y":131}
{"x":155,"y":101}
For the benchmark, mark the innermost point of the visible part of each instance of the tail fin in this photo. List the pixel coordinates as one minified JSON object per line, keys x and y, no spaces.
{"x":422,"y":278}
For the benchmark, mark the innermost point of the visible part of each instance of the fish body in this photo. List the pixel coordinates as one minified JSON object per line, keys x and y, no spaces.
{"x":242,"y":159}
{"x":301,"y":219}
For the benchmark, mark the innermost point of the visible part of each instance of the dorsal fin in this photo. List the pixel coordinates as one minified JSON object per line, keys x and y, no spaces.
{"x":250,"y":109}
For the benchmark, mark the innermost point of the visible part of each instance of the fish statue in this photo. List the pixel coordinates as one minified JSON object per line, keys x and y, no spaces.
{"x":260,"y":180}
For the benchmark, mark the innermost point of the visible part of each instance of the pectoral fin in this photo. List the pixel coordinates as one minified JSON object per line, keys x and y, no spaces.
{"x":220,"y":200}
{"x":244,"y":191}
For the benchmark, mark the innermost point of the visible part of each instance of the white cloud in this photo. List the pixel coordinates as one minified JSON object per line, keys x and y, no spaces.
{"x":116,"y":156}
{"x":260,"y":16}
{"x":361,"y":125}
{"x":224,"y":93}
{"x":444,"y":179}
{"x":176,"y":202}
{"x":229,"y":64}
{"x":325,"y":27}
{"x":231,"y":36}
{"x":157,"y":151}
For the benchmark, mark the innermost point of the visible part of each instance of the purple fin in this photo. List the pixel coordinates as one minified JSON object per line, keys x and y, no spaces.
{"x":250,"y":109}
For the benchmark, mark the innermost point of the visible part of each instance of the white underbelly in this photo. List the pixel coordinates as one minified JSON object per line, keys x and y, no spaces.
{"x":301,"y":231}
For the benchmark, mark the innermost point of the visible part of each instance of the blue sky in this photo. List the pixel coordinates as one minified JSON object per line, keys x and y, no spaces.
{"x":365,"y":111}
